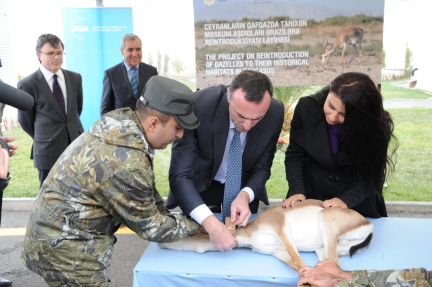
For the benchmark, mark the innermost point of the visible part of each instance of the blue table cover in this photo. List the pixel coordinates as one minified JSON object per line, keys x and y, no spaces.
{"x":398,"y":243}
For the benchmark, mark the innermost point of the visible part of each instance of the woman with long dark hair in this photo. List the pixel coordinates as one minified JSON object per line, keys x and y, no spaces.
{"x":341,"y":147}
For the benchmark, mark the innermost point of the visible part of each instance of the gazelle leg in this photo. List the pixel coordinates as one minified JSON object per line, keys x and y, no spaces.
{"x":329,"y":233}
{"x":320,"y":252}
{"x":355,"y":53}
{"x":285,"y":257}
{"x":332,"y":253}
{"x":297,"y":261}
{"x":360,"y":53}
{"x":343,"y":53}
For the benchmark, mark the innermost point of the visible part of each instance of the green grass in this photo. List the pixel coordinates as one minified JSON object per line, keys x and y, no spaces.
{"x":411,"y":182}
{"x":161,"y":168}
{"x":24,"y":176}
{"x":392,"y":92}
{"x":413,"y":178}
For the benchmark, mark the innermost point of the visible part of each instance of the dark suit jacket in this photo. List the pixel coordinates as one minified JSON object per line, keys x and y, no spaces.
{"x":313,"y":171}
{"x":197,"y":156}
{"x":117,"y":91}
{"x":45,"y":122}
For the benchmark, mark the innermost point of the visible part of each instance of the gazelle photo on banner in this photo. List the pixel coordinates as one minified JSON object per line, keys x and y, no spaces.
{"x":294,"y":42}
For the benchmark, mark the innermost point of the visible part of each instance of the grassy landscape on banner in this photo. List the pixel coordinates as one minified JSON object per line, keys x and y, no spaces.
{"x":295,"y":44}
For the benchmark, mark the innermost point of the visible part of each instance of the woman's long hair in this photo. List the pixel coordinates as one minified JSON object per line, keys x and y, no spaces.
{"x":366,"y":136}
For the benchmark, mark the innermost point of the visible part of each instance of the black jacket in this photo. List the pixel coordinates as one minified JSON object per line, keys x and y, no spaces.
{"x":117,"y":92}
{"x":50,"y":130}
{"x":196,"y":157}
{"x":313,"y":171}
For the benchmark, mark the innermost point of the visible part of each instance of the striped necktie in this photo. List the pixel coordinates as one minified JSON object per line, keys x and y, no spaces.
{"x":134,"y":82}
{"x":233,"y":174}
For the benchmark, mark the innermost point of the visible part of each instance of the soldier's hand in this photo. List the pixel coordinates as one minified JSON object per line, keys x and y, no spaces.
{"x":220,"y":236}
{"x":332,"y":268}
{"x":316,"y":277}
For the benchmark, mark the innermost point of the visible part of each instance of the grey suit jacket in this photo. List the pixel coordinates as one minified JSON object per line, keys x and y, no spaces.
{"x":117,"y":92}
{"x":196,"y":158}
{"x":45,"y":122}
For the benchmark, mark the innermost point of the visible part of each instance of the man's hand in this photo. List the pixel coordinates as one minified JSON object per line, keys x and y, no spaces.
{"x":12,"y":147}
{"x":4,"y":163}
{"x":316,"y":277}
{"x":240,"y":212}
{"x":220,"y":236}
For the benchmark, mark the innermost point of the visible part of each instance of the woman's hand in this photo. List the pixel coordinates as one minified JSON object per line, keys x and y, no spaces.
{"x":292,"y":200}
{"x":334,"y":203}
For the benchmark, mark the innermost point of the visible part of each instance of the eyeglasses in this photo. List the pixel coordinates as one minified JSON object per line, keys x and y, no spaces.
{"x":53,"y":54}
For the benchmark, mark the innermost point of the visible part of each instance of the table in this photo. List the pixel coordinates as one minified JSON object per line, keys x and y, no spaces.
{"x":397,"y":243}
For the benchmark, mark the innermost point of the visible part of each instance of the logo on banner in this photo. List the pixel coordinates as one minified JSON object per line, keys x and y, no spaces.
{"x":78,"y":30}
{"x":209,"y":2}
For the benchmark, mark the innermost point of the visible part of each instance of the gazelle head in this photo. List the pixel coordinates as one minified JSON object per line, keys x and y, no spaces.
{"x":325,"y":55}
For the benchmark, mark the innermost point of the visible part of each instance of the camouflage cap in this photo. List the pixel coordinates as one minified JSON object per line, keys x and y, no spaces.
{"x":172,"y":98}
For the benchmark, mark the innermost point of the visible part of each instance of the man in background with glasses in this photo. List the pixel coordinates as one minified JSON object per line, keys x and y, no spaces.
{"x":54,"y":121}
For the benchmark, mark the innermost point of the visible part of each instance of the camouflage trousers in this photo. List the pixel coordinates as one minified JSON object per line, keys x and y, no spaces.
{"x":55,"y":283}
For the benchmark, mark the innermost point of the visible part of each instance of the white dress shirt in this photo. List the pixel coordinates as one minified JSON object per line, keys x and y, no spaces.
{"x":48,"y":75}
{"x":202,"y":212}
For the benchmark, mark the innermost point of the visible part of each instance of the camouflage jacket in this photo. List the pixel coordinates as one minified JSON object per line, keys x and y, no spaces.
{"x":418,"y":277}
{"x":104,"y":178}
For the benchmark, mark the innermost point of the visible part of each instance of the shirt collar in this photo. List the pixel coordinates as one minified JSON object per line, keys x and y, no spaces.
{"x":335,"y":128}
{"x":48,"y":74}
{"x":129,"y":67}
{"x":231,"y":124}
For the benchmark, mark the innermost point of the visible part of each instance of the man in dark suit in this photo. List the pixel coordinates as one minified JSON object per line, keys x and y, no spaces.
{"x":123,"y":83}
{"x":54,"y":121}
{"x":200,"y":165}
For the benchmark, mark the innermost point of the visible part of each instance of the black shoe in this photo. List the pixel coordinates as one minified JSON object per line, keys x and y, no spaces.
{"x":5,"y":282}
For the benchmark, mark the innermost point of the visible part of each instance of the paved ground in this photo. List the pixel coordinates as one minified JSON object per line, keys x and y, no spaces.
{"x":128,"y":250}
{"x":393,"y":104}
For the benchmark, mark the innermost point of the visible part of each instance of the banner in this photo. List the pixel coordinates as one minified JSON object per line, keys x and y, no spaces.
{"x":92,"y":38}
{"x":294,"y":42}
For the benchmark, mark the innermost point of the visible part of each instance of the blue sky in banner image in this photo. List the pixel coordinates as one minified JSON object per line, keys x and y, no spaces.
{"x":297,"y":9}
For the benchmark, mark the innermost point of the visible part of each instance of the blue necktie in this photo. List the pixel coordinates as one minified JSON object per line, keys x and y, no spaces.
{"x":134,"y":82}
{"x":233,"y":174}
{"x":58,"y":95}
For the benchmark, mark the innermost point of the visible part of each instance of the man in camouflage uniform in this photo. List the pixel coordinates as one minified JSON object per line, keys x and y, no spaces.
{"x":103,"y":179}
{"x":328,"y":274}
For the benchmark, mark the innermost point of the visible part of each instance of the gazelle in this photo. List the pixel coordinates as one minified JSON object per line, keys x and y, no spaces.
{"x":305,"y":227}
{"x":348,"y":36}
